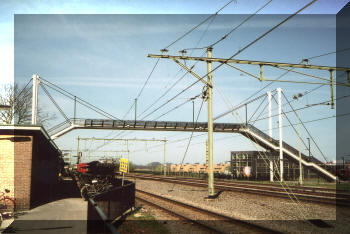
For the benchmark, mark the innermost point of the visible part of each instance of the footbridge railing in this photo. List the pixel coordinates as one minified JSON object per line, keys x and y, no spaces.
{"x":267,"y":142}
{"x":248,"y":130}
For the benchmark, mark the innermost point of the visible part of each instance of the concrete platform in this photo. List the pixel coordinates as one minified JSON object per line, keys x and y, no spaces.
{"x":67,"y":215}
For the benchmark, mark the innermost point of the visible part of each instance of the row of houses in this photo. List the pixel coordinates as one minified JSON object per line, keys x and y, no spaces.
{"x":200,"y":168}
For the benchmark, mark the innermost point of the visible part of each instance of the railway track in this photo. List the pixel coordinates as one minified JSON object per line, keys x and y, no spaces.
{"x":310,"y":194}
{"x":208,"y":220}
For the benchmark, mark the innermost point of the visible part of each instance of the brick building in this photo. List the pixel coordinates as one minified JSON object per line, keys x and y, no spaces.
{"x":29,"y":165}
{"x":199,"y":168}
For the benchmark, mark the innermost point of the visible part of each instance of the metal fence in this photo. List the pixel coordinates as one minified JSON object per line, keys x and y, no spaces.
{"x":105,"y":208}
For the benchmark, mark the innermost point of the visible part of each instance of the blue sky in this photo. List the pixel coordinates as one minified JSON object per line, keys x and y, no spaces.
{"x":102,"y":59}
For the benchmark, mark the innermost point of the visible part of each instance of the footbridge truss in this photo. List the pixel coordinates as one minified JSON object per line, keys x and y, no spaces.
{"x":247,"y":130}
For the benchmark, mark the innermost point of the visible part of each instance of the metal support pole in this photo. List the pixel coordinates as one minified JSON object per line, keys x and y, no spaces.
{"x":270,"y":112}
{"x":127,"y":148}
{"x":309,"y":149}
{"x":164,"y":167}
{"x":210,"y":125}
{"x":261,"y":72}
{"x":332,"y":88}
{"x":270,"y":130}
{"x":75,"y":108}
{"x":78,"y":158}
{"x":300,"y":165}
{"x":193,"y":111}
{"x":279,"y":92}
{"x":246,"y":114}
{"x":135,"y":108}
{"x":35,"y":99}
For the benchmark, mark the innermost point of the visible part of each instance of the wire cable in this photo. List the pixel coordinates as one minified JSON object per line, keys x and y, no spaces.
{"x":17,"y":96}
{"x":54,"y":102}
{"x":189,"y":141}
{"x":198,"y":25}
{"x":232,"y":30}
{"x":321,"y":55}
{"x":81,"y":101}
{"x":174,"y":108}
{"x":325,"y":158}
{"x":244,"y":48}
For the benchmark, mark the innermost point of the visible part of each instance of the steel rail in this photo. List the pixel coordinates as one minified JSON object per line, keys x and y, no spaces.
{"x":219,"y":216}
{"x":173,"y":213}
{"x":341,"y":199}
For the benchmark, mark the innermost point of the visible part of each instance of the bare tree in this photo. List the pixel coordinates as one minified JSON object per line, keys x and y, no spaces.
{"x":20,"y":100}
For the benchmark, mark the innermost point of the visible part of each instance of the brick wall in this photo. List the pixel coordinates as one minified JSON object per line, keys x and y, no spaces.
{"x":23,"y":170}
{"x":7,"y":165}
{"x":28,"y":167}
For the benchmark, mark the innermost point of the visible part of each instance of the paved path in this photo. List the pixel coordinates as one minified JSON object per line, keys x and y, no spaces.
{"x":62,"y":216}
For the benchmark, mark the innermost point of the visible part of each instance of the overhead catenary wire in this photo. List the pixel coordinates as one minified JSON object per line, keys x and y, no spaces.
{"x":138,"y":96}
{"x":174,"y":108}
{"x":183,"y":76}
{"x":263,"y":130}
{"x":296,"y":131}
{"x":190,"y":139}
{"x":239,"y":51}
{"x":329,"y":53}
{"x":308,"y":132}
{"x":232,"y":30}
{"x":143,"y":87}
{"x":292,"y":195}
{"x":198,"y":25}
{"x":285,"y":73}
{"x":161,"y":96}
{"x":171,"y":99}
{"x":306,"y":107}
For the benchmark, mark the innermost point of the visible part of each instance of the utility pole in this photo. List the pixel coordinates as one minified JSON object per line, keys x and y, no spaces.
{"x":165,"y":167}
{"x":193,"y":110}
{"x":35,"y":99}
{"x":135,"y":108}
{"x":296,"y":97}
{"x":270,"y":131}
{"x":78,"y":158}
{"x":309,"y":149}
{"x":279,"y":96}
{"x":75,"y":108}
{"x":127,"y":148}
{"x":210,"y":124}
{"x":124,"y":140}
{"x":300,"y":164}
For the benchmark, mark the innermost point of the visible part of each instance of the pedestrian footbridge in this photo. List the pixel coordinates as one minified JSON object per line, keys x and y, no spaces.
{"x":247,"y":130}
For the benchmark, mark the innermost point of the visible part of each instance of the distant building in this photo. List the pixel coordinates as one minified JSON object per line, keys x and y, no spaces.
{"x":256,"y":165}
{"x":199,"y":168}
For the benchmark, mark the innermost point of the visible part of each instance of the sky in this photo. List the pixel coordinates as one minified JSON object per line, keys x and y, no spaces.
{"x":99,"y":53}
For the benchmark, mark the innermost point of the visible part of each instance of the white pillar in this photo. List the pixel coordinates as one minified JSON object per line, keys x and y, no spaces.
{"x":35,"y":99}
{"x":270,"y":131}
{"x":279,"y":92}
{"x":270,"y":113}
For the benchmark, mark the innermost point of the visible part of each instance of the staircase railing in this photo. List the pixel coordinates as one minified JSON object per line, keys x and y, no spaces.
{"x":291,"y":149}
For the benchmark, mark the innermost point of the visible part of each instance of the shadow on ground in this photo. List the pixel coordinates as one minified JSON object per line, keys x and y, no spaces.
{"x":63,"y":189}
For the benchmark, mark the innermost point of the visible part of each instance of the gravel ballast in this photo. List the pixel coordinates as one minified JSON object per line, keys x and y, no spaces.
{"x":276,"y":213}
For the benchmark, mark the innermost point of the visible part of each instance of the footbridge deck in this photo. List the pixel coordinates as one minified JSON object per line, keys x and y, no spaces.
{"x":247,"y":130}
